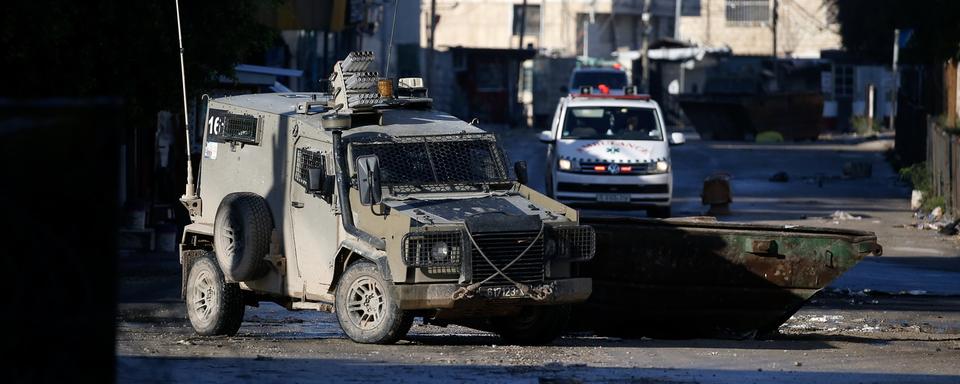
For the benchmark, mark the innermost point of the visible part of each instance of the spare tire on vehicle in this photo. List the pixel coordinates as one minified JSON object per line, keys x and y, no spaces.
{"x":242,"y":231}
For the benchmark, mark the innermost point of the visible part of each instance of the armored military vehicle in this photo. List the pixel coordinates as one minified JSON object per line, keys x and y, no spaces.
{"x":368,"y":203}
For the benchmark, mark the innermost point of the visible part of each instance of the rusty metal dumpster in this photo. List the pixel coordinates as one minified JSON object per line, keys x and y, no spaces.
{"x":691,"y":278}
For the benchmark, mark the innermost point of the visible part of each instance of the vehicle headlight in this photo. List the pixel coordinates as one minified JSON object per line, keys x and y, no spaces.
{"x":440,"y":251}
{"x":565,"y":164}
{"x":662,"y":166}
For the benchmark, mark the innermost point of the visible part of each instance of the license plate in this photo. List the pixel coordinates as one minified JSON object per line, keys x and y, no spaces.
{"x":501,"y":292}
{"x":613,"y":197}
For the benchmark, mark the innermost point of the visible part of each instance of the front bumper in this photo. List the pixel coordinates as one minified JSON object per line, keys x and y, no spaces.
{"x":437,"y":296}
{"x":577,"y":189}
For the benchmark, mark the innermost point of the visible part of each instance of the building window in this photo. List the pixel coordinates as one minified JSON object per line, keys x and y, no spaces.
{"x":533,"y":20}
{"x":843,"y":80}
{"x":748,"y":12}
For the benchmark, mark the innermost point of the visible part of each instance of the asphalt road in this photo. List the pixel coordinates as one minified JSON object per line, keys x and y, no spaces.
{"x":891,"y":319}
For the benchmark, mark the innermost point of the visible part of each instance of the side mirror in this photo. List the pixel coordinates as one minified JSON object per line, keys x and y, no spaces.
{"x":368,"y":180}
{"x":677,"y":138}
{"x":520,"y":168}
{"x":545,"y":137}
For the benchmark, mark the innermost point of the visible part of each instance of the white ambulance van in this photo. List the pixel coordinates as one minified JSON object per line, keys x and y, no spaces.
{"x":610,"y":152}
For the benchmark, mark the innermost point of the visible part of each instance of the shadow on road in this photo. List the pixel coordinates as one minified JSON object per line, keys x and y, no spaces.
{"x":270,"y":370}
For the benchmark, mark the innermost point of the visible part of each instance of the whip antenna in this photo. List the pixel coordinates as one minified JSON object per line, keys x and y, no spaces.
{"x":393,"y":28}
{"x":190,"y":192}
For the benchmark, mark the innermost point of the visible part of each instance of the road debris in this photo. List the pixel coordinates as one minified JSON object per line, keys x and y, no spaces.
{"x":936,"y":214}
{"x":780,"y":177}
{"x":916,"y":199}
{"x":857,"y":170}
{"x":951,"y":229}
{"x":717,"y":194}
{"x":843,"y":215}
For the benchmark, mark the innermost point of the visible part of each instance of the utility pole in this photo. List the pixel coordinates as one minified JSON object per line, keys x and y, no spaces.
{"x":645,"y":47}
{"x":775,"y":15}
{"x":523,"y":22}
{"x":676,"y":19}
{"x":433,"y":28}
{"x":896,"y":79}
{"x":586,"y":30}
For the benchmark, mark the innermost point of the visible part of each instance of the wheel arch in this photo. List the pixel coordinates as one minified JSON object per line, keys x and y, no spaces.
{"x":352,"y":251}
{"x":196,"y":242}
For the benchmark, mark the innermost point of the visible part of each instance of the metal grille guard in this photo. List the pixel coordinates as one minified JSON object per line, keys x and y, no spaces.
{"x":534,"y":293}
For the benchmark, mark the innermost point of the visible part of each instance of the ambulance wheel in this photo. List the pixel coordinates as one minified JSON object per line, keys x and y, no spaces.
{"x":659,"y":212}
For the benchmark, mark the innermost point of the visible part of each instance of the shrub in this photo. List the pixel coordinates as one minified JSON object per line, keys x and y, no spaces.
{"x":861,"y":125}
{"x":919,"y":176}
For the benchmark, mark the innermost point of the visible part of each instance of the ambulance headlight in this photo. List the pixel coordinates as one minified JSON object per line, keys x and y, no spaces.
{"x":662,"y":166}
{"x":564,"y":164}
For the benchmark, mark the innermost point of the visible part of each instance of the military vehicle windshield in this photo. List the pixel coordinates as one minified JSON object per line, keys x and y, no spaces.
{"x":442,"y":163}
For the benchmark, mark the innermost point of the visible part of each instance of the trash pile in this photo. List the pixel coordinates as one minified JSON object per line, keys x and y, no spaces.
{"x":935,"y":220}
{"x":842,"y":216}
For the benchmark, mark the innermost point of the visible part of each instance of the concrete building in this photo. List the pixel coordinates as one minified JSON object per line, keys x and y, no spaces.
{"x":803,"y":27}
{"x":563,"y":28}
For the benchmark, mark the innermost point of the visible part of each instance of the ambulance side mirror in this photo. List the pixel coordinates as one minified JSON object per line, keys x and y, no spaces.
{"x":677,"y":138}
{"x":545,"y":137}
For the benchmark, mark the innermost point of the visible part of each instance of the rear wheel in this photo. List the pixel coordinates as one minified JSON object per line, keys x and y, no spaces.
{"x":214,"y":306}
{"x":659,"y":212}
{"x":367,"y":309}
{"x":533,"y":325}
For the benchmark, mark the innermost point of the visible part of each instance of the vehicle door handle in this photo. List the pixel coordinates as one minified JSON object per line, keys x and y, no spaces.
{"x":296,"y":204}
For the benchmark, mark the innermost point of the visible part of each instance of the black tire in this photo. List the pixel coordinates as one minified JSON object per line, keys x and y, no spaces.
{"x":548,"y":184}
{"x":242,"y":231}
{"x":535,"y":325}
{"x":367,"y":308}
{"x":214,"y":306}
{"x":659,"y":212}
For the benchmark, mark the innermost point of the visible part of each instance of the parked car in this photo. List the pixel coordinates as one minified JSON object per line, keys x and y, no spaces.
{"x":611,"y":80}
{"x":610,"y":151}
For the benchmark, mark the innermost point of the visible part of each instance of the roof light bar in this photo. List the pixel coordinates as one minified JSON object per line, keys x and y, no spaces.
{"x":619,"y":97}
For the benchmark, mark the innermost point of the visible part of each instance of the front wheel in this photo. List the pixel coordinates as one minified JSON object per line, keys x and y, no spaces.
{"x":367,"y":309}
{"x":548,"y":181}
{"x":659,"y":212}
{"x":534,"y":325}
{"x":214,"y":306}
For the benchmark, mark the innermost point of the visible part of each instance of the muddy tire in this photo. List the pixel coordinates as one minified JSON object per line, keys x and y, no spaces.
{"x":214,"y":306}
{"x":242,"y":230}
{"x":659,"y":212}
{"x":535,"y":325}
{"x":367,"y":308}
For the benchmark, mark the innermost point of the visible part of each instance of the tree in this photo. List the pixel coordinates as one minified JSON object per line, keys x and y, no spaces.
{"x":866,"y":27}
{"x":125,"y":49}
